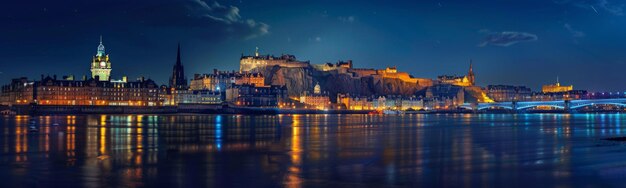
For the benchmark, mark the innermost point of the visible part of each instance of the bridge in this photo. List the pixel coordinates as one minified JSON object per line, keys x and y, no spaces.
{"x":560,"y":104}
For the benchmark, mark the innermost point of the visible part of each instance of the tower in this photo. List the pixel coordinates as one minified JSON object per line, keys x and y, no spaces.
{"x":178,"y":80}
{"x":100,"y":64}
{"x":470,"y":75}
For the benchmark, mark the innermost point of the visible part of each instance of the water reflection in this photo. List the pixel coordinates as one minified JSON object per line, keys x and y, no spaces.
{"x":312,"y":150}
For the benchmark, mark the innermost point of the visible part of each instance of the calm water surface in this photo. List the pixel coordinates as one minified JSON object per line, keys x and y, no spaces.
{"x":481,"y":150}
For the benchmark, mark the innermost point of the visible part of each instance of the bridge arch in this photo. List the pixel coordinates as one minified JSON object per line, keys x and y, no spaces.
{"x":537,"y":105}
{"x":494,"y":105}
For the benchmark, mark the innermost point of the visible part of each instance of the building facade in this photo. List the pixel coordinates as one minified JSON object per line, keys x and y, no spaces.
{"x":52,"y":91}
{"x":219,"y":80}
{"x":251,"y":63}
{"x":507,"y":93}
{"x":464,"y":81}
{"x":556,"y":88}
{"x":18,"y":92}
{"x":317,"y":99}
{"x":256,"y":96}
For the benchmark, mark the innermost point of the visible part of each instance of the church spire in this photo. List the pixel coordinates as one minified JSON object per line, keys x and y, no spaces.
{"x":470,"y":74}
{"x":178,"y":80}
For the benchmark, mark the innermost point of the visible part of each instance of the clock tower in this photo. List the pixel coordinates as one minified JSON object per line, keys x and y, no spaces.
{"x":100,"y":64}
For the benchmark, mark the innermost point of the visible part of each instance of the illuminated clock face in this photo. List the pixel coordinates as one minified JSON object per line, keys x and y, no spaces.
{"x":103,"y":64}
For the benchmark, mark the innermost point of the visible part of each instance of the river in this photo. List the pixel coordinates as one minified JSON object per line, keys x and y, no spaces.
{"x":477,"y":150}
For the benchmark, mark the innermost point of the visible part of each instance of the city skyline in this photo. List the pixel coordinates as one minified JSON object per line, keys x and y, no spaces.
{"x":552,"y":39}
{"x":100,"y":52}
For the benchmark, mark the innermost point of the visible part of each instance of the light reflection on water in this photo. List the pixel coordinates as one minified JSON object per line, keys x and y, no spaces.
{"x":313,"y":150}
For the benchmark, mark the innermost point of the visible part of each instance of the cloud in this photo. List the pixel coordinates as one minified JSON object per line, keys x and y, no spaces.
{"x":206,"y":19}
{"x":348,"y":19}
{"x":507,"y":38}
{"x":574,"y":32}
{"x":202,"y":13}
{"x":614,"y":7}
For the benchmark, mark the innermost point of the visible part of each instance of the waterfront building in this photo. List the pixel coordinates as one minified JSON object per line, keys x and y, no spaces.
{"x":256,"y":96}
{"x":411,"y":103}
{"x":99,"y":89}
{"x":507,"y":93}
{"x":316,"y":100}
{"x":553,"y":96}
{"x":556,"y":87}
{"x":445,"y":96}
{"x":251,"y":63}
{"x":354,"y":103}
{"x":19,"y":92}
{"x":178,"y":80}
{"x":177,"y":97}
{"x":52,"y":91}
{"x":464,"y":81}
{"x":100,"y":64}
{"x":379,"y":103}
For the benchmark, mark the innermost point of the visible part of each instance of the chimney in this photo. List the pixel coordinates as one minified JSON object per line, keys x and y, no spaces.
{"x":55,"y":77}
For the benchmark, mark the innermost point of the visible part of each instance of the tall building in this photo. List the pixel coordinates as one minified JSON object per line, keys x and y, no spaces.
{"x":178,"y":80}
{"x":100,"y":64}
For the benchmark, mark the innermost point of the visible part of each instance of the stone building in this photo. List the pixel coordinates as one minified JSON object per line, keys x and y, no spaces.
{"x":464,"y":81}
{"x":256,"y":96}
{"x":507,"y":93}
{"x":18,"y":92}
{"x":52,"y":91}
{"x":219,"y":80}
{"x":317,"y":99}
{"x":250,"y":63}
{"x":556,"y":87}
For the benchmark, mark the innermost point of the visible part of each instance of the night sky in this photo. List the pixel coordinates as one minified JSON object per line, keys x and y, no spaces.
{"x":520,"y":42}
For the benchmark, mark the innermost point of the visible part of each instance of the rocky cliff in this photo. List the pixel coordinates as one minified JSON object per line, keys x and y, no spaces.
{"x":299,"y":80}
